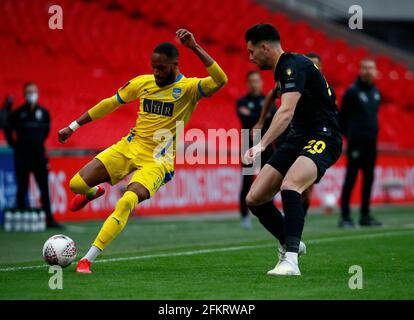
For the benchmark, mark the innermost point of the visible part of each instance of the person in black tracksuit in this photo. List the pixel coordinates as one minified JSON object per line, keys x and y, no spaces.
{"x":5,"y":111}
{"x":249,"y":109}
{"x":26,"y":131}
{"x":359,"y":123}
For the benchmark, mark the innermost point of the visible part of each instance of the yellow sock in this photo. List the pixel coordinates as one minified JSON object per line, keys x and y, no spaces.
{"x":78,"y":185}
{"x":114,"y":224}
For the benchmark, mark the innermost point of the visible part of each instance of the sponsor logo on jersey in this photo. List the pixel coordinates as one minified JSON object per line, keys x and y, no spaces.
{"x":158,"y":107}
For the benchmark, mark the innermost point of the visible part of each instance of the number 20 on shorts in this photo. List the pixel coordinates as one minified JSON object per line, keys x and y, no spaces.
{"x":315,"y":146}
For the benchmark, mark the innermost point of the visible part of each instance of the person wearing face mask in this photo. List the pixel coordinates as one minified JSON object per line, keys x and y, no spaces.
{"x":26,"y":131}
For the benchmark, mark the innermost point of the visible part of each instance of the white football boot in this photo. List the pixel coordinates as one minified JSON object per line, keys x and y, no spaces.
{"x":287,"y":264}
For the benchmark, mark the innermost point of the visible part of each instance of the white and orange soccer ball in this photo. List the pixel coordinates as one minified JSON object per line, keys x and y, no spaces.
{"x":59,"y":250}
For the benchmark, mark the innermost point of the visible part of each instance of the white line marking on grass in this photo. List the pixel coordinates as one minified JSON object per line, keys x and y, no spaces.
{"x":23,"y":268}
{"x":238,"y":248}
{"x":227,"y":249}
{"x":75,"y":229}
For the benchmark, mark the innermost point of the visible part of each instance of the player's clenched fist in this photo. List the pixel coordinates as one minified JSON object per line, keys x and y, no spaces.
{"x":64,"y":134}
{"x":251,"y":155}
{"x":186,"y":38}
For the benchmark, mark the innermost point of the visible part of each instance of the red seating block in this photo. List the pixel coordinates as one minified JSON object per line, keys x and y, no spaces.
{"x":104,"y":43}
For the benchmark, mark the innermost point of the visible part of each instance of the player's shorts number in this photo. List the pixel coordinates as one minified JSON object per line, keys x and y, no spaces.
{"x":315,"y":146}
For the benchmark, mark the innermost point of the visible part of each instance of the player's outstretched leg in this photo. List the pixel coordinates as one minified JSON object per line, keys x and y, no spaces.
{"x":299,"y":177}
{"x":260,"y":201}
{"x":113,"y":225}
{"x":86,"y":182}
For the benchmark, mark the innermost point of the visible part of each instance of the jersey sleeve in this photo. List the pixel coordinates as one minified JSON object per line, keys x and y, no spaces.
{"x":47,"y":122}
{"x":241,"y":103}
{"x":131,"y":90}
{"x":207,"y":86}
{"x":10,"y":126}
{"x":291,"y":77}
{"x":348,"y":100}
{"x":196,"y":91}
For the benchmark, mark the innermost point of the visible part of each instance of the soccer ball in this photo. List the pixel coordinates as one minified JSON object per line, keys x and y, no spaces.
{"x":59,"y":250}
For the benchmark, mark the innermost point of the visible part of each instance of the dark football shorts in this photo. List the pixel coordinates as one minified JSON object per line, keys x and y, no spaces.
{"x":323,"y":149}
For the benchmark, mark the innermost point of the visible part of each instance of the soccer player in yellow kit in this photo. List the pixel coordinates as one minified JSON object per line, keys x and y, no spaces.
{"x":165,"y":97}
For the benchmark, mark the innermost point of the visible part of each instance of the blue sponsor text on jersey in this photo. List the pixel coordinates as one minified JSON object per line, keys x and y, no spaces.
{"x":158,"y":107}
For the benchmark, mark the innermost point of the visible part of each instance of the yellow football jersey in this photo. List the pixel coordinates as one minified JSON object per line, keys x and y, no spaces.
{"x":160,"y":107}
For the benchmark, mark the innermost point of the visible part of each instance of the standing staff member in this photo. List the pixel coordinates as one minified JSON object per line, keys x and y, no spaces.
{"x":249,"y":109}
{"x":31,"y":125}
{"x":359,"y":122}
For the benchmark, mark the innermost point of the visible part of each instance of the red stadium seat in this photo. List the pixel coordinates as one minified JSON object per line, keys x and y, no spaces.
{"x":107,"y":42}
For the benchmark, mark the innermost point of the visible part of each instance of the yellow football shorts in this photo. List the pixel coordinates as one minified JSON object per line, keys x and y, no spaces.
{"x":126,"y":156}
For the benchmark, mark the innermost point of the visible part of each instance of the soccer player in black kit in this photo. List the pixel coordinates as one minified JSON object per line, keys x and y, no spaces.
{"x":313,"y":144}
{"x":268,"y":103}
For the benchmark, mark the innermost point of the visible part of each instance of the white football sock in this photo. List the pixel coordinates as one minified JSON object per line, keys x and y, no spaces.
{"x":292,"y":257}
{"x":92,"y":253}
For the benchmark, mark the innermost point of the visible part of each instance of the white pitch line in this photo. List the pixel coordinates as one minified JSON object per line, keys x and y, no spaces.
{"x":77,"y":229}
{"x":226,"y":249}
{"x":238,"y":248}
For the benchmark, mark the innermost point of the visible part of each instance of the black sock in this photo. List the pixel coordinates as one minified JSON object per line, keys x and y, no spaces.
{"x":294,"y":219}
{"x":305,"y":207}
{"x":271,"y":218}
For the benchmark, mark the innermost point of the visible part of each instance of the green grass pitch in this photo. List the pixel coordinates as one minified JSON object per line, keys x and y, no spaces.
{"x":209,"y":258}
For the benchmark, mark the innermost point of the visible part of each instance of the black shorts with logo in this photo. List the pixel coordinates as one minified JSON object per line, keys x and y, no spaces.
{"x":324,"y":149}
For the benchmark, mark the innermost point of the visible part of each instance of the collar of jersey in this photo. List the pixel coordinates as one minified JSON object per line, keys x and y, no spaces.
{"x":278,"y":59}
{"x":179,"y":77}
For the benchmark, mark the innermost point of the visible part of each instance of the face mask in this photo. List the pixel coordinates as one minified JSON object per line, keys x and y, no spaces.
{"x":32,"y":97}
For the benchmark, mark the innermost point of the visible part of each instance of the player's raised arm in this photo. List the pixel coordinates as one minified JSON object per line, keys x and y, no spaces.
{"x":128,"y":93}
{"x":217,"y":78}
{"x":104,"y":107}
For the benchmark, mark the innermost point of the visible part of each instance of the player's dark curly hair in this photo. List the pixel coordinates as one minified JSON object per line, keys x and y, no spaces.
{"x":262,"y":32}
{"x":168,"y":49}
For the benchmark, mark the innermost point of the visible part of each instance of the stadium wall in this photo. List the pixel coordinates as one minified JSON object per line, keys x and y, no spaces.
{"x":200,"y":188}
